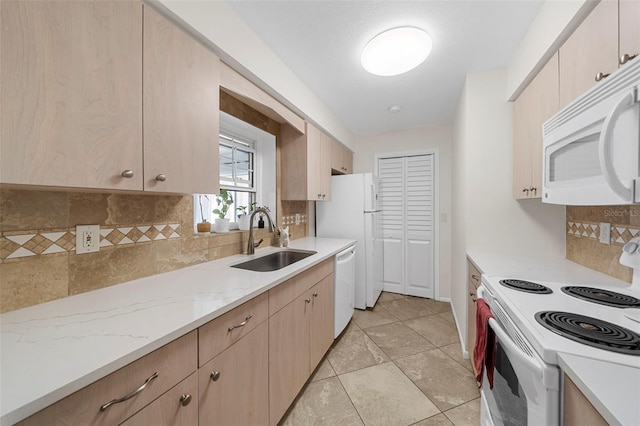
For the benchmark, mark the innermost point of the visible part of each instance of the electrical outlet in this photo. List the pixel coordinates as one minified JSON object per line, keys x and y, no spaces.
{"x":605,"y":232}
{"x":297,"y":218}
{"x":87,"y":238}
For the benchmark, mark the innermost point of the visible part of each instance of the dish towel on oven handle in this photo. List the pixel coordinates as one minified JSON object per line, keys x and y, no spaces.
{"x":484,"y":350}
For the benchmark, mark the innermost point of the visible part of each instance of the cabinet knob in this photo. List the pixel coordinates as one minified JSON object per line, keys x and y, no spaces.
{"x":525,"y":190}
{"x":601,"y":76}
{"x":127,"y":174}
{"x":471,"y":293}
{"x":161,"y":178}
{"x":215,"y":375}
{"x":474,"y":299}
{"x":307,"y":300}
{"x":319,"y":195}
{"x":626,"y":58}
{"x":324,"y":195}
{"x":315,"y":294}
{"x":534,"y":190}
{"x":185,"y":400}
{"x":474,"y":277}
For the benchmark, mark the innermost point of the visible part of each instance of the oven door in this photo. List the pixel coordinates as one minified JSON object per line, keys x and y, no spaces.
{"x":525,"y":388}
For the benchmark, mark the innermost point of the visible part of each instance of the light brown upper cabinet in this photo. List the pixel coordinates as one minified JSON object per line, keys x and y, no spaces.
{"x":629,"y":14}
{"x":181,"y":107}
{"x":71,"y":78}
{"x":73,"y":87}
{"x":306,"y":164}
{"x":341,"y":159}
{"x":598,"y":47}
{"x":537,"y":103}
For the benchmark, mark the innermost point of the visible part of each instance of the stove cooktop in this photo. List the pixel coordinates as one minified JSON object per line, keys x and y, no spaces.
{"x":522,"y":308}
{"x":591,"y":331}
{"x":602,"y":296}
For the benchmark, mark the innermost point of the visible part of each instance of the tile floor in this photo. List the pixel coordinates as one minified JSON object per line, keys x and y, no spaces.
{"x":398,"y":364}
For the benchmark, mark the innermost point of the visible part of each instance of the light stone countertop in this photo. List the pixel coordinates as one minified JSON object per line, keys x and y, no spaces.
{"x":51,"y":350}
{"x":613,"y":389}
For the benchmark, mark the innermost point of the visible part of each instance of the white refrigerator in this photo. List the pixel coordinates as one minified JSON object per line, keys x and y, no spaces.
{"x":353,"y":213}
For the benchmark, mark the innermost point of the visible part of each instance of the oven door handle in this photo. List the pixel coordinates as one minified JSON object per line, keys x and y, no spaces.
{"x":514,"y":352}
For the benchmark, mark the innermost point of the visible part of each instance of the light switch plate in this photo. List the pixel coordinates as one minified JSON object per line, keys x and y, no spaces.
{"x":605,"y":232}
{"x":87,"y":238}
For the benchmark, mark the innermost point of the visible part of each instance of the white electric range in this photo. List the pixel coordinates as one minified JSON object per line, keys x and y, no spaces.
{"x":527,"y":384}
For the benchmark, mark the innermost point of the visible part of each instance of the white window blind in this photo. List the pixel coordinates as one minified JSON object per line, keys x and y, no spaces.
{"x":237,"y":159}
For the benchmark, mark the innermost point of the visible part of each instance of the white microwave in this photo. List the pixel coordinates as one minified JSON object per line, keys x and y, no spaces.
{"x":591,"y":148}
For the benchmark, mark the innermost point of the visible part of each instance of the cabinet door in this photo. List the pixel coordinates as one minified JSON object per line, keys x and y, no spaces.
{"x":239,"y":395}
{"x":577,"y":410}
{"x":324,"y":172}
{"x":322,"y":317}
{"x":591,"y":49}
{"x":337,"y":156}
{"x":177,"y":407}
{"x":313,"y":162}
{"x":181,"y":107}
{"x":537,"y":103}
{"x":288,"y":355}
{"x":629,"y":28}
{"x":71,"y":75}
{"x":348,"y":161}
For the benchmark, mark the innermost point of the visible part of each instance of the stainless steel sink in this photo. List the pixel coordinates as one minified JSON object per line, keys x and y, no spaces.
{"x":274,"y":261}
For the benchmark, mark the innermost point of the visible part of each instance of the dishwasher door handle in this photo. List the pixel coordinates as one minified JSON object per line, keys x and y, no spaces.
{"x":346,"y":255}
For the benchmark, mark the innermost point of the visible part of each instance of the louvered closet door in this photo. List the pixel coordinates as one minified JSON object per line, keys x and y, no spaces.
{"x":391,"y":202}
{"x":407,"y":201}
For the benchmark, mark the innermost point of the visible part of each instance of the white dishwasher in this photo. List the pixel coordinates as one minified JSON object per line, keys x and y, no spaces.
{"x":344,"y":288}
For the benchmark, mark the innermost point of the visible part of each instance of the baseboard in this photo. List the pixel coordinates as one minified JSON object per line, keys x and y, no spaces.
{"x":465,"y":353}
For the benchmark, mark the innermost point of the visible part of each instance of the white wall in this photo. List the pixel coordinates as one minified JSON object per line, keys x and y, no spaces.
{"x":413,"y":140}
{"x":483,"y":174}
{"x":232,"y":39}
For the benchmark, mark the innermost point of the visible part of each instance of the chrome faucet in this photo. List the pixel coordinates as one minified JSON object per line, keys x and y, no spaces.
{"x":251,"y":247}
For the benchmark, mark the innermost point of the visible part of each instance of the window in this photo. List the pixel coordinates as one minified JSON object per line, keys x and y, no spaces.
{"x":247,"y":170}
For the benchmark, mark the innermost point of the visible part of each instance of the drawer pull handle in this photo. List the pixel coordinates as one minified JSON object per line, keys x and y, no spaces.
{"x":215,"y":375}
{"x":474,"y":277}
{"x":185,"y":400}
{"x":131,"y":395}
{"x":242,"y":324}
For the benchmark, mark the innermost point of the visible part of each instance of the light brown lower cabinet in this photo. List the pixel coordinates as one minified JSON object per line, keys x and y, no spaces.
{"x":473,"y":282}
{"x":234,"y":386}
{"x":251,"y":367}
{"x":577,"y":410}
{"x":177,"y":407}
{"x":169,"y":364}
{"x":300,"y":334}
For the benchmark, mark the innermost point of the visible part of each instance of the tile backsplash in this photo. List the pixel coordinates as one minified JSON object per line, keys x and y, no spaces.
{"x":583,"y":233}
{"x":140,"y":235}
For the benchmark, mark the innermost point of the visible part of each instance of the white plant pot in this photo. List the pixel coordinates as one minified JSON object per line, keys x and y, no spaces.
{"x":243,"y":222}
{"x":221,"y":226}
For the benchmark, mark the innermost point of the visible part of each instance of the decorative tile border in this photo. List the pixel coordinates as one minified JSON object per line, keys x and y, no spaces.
{"x":14,"y":246}
{"x":620,"y":234}
{"x":291,"y":220}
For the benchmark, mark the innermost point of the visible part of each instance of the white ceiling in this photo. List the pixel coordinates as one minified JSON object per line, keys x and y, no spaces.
{"x":321,"y":42}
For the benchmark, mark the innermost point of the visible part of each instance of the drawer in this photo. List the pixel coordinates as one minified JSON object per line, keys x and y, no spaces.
{"x":215,"y":336}
{"x":172,"y":363}
{"x":473,"y":273}
{"x":178,"y":406}
{"x":284,"y":293}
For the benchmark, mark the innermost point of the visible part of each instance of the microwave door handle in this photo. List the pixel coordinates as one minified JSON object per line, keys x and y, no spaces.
{"x":514,"y":351}
{"x":606,"y":162}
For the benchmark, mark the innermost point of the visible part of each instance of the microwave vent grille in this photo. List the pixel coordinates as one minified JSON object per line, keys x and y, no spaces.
{"x":619,"y":82}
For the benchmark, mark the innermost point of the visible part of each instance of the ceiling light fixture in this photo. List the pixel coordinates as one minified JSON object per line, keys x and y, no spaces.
{"x":396,"y":51}
{"x":395,"y":109}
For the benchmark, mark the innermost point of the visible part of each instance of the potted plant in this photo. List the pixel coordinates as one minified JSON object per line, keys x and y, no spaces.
{"x":204,"y":226}
{"x":224,"y":201}
{"x":244,"y":216}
